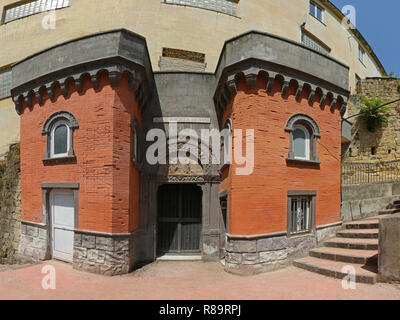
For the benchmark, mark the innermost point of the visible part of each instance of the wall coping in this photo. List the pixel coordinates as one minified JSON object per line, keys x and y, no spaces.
{"x":116,"y":53}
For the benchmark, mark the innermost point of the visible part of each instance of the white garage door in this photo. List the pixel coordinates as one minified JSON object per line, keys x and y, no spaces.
{"x":63,"y":221}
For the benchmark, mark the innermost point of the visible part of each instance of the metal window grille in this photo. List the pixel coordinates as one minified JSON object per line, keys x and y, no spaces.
{"x":224,"y":6}
{"x":32,"y":7}
{"x":5,"y":83}
{"x":300,"y":215}
{"x":313,"y":44}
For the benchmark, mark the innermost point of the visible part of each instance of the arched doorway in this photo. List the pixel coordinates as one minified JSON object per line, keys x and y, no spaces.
{"x":179,"y":218}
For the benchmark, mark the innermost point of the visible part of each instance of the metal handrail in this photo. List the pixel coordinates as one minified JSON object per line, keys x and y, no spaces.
{"x":370,"y":172}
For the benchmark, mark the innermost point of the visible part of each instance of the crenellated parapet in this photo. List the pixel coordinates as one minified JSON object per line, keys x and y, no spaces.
{"x":325,"y":95}
{"x":117,"y":54}
{"x":256,"y":54}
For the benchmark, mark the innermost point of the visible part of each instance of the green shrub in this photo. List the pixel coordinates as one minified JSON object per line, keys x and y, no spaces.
{"x":372,"y":115}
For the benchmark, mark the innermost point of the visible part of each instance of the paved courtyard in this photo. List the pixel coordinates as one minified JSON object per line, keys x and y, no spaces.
{"x":182,"y":280}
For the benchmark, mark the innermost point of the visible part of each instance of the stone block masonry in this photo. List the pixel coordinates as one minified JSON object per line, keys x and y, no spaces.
{"x":267,"y":253}
{"x":10,"y":206}
{"x":34,"y":243}
{"x":103,"y":253}
{"x":385,"y":140}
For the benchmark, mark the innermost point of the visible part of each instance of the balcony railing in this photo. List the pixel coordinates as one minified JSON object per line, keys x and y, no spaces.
{"x":361,"y":173}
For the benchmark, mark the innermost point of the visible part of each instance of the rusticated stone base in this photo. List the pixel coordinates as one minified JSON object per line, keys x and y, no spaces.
{"x":33,"y":245}
{"x":272,"y":252}
{"x":104,"y":253}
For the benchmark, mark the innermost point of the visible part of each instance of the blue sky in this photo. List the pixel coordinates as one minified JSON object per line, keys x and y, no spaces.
{"x":379,"y":23}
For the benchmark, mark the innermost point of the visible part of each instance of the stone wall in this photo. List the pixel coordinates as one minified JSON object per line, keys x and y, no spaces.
{"x":361,"y":201}
{"x":10,"y":206}
{"x":266,"y":253}
{"x":105,"y":254}
{"x":385,"y":141}
{"x":389,"y":248}
{"x":34,"y":243}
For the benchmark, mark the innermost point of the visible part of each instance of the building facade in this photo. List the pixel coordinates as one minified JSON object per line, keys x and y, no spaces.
{"x":107,"y":113}
{"x":200,"y":27}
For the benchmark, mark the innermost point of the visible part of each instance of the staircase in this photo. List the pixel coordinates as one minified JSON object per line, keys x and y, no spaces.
{"x":356,"y":245}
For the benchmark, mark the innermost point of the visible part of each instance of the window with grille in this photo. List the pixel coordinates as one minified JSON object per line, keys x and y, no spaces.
{"x":5,"y":83}
{"x":301,"y":212}
{"x":312,"y":43}
{"x":301,"y":215}
{"x":224,"y":6}
{"x":21,"y":10}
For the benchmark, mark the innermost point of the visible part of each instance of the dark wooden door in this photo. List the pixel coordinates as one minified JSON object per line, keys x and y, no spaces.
{"x":179,"y":219}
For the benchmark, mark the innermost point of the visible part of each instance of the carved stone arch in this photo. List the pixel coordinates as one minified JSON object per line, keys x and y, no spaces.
{"x":311,"y":125}
{"x":60,"y":115}
{"x":72,"y":124}
{"x":301,"y":117}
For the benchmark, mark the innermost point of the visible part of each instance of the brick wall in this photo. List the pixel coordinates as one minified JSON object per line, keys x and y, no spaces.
{"x":108,"y":195}
{"x":258,"y":202}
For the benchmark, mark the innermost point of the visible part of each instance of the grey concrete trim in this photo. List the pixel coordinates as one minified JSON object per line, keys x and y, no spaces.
{"x":242,"y":57}
{"x":60,"y":185}
{"x":212,"y":232}
{"x":304,"y":118}
{"x":292,"y":42}
{"x":295,"y":193}
{"x":115,"y":52}
{"x":106,"y":234}
{"x":347,"y":127}
{"x":335,"y":224}
{"x":256,"y":236}
{"x":303,"y":162}
{"x":60,"y":115}
{"x":67,"y":159}
{"x":35,"y":224}
{"x":184,"y":72}
{"x":301,"y":193}
{"x":181,"y":120}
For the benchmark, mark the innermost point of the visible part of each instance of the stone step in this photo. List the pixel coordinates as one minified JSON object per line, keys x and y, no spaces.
{"x":346,"y":255}
{"x":363,"y":224}
{"x":353,"y":243}
{"x":389,"y":211}
{"x":358,"y":233}
{"x":337,"y":269}
{"x":379,"y":217}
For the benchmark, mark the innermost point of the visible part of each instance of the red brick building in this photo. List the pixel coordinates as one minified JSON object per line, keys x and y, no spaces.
{"x":91,"y":196}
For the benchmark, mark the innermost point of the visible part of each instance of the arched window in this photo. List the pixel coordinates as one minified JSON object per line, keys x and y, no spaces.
{"x":59,"y":129}
{"x":304,"y":132}
{"x":60,"y":139}
{"x":301,"y":143}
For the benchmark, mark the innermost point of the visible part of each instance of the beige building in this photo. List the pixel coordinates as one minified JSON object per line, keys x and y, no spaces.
{"x":181,"y":34}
